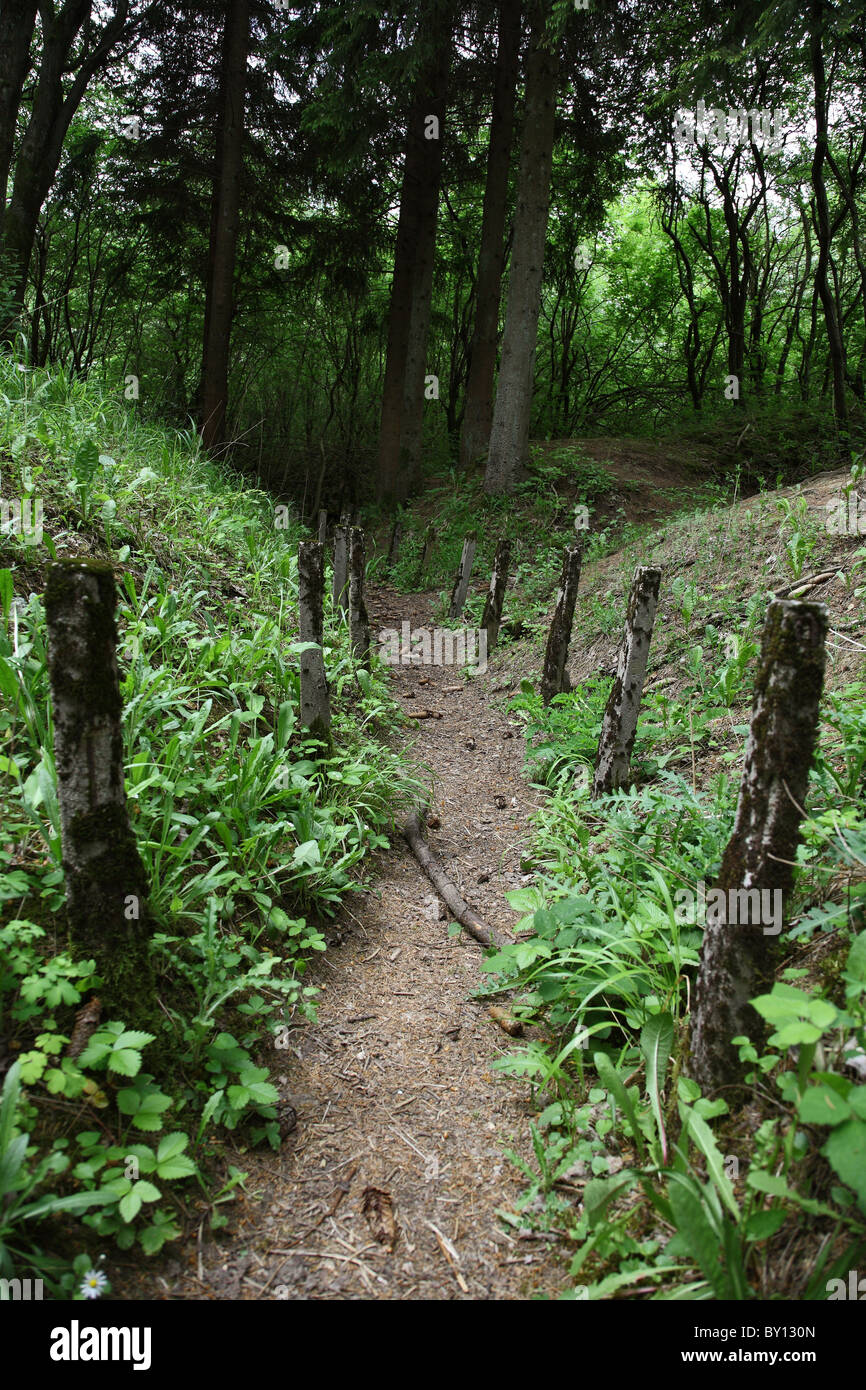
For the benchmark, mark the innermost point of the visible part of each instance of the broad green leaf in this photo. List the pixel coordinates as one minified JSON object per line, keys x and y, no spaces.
{"x":693,"y":1224}
{"x":612,"y":1081}
{"x":703,"y":1138}
{"x":819,"y":1105}
{"x":656,"y":1041}
{"x":846,"y":1151}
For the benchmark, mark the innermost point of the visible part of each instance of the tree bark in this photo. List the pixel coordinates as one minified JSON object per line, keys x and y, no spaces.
{"x":17,"y":22}
{"x":339,"y":592}
{"x":619,"y":726}
{"x":426,"y":553}
{"x":478,"y":415}
{"x":106,"y":883}
{"x":492,"y":615}
{"x":509,"y":434}
{"x":555,"y":677}
{"x":396,"y":541}
{"x":225,"y":223}
{"x":835,"y":341}
{"x":412,"y":423}
{"x":50,"y":117}
{"x":411,"y":284}
{"x":315,"y":697}
{"x":737,"y":958}
{"x":464,"y":574}
{"x":460,"y":909}
{"x":359,"y":622}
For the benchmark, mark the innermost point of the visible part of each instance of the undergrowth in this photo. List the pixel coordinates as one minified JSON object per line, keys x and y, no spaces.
{"x":654,"y":1190}
{"x":250,"y":831}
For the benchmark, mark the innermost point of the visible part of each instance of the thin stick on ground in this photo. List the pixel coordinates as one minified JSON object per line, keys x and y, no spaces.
{"x":459,"y":909}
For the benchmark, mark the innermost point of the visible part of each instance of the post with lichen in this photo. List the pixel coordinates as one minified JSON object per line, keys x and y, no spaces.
{"x":106,"y":882}
{"x":554,"y":679}
{"x":315,"y":696}
{"x":492,"y":615}
{"x":464,"y":574}
{"x":359,"y":623}
{"x":426,"y":553}
{"x":340,"y":594}
{"x":619,"y":725}
{"x":740,"y":941}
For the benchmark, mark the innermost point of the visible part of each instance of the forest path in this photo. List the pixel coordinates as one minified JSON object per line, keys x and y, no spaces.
{"x":392,"y":1086}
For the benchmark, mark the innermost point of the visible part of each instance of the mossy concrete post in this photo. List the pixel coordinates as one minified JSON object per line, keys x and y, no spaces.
{"x":740,"y":943}
{"x":492,"y":615}
{"x":359,"y":622}
{"x":464,"y":574}
{"x":554,"y":679}
{"x":619,"y":725}
{"x":106,"y":883}
{"x":340,"y":595}
{"x":315,"y":696}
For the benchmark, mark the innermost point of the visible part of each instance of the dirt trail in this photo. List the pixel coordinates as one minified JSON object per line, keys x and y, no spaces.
{"x":392,"y":1086}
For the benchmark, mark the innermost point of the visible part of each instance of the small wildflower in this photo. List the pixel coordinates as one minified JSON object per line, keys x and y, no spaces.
{"x":93,"y":1283}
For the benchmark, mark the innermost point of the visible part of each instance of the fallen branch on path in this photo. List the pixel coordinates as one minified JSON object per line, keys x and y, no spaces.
{"x":803,"y":586}
{"x":460,"y":910}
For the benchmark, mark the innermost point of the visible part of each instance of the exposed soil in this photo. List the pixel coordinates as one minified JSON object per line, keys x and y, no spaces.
{"x":388,"y":1184}
{"x":392,"y":1086}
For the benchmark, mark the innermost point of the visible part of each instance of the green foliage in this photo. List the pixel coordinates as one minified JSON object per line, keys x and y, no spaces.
{"x":604,"y":966}
{"x":21,"y":1174}
{"x":251,"y":832}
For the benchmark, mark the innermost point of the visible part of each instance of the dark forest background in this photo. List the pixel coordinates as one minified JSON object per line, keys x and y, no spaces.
{"x":300,"y":225}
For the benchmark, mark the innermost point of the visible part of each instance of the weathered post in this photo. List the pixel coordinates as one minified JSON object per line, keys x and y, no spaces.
{"x":315,"y":698}
{"x":323,"y":526}
{"x":739,"y":945}
{"x":464,"y":574}
{"x":341,"y":568}
{"x":106,"y":883}
{"x":492,"y":615}
{"x":359,"y":623}
{"x":555,"y":677}
{"x":395,"y":541}
{"x":429,"y":542}
{"x":619,"y":726}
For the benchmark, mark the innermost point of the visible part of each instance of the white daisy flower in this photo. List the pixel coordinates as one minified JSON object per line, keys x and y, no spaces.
{"x":93,"y":1283}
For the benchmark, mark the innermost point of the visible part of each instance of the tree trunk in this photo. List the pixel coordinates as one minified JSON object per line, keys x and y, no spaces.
{"x":17,"y":22}
{"x":426,"y":553}
{"x":106,"y":883}
{"x":555,"y":677}
{"x":737,"y":957}
{"x":315,"y":697}
{"x":359,"y":623}
{"x":339,"y":592}
{"x":619,"y":726}
{"x":396,"y":541}
{"x":412,"y":423}
{"x":411,"y":284}
{"x":509,"y":434}
{"x":492,"y":615}
{"x":50,"y":117}
{"x":225,"y":222}
{"x":835,"y":341}
{"x":464,"y":574}
{"x":478,"y":416}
